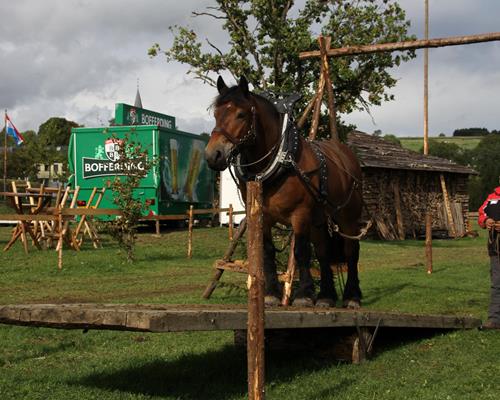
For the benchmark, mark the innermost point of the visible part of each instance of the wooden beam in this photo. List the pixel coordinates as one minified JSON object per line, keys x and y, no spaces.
{"x":428,"y":241}
{"x":402,"y":46}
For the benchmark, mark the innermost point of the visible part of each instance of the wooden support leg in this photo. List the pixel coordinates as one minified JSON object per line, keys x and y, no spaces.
{"x":227,"y":256}
{"x":428,"y":242}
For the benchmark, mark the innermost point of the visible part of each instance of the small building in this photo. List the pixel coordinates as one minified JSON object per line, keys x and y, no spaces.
{"x":400,"y":186}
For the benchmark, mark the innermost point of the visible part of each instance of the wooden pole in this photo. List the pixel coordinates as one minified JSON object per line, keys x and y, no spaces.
{"x":190,"y":232}
{"x":5,"y":155}
{"x":307,"y":111}
{"x":255,"y":327}
{"x":230,"y":222}
{"x":324,"y":45}
{"x":60,"y":241}
{"x":428,"y":241}
{"x":317,"y":106}
{"x":402,"y":46}
{"x":426,"y":82}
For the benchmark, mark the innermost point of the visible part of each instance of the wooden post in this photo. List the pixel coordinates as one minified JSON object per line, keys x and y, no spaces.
{"x":447,"y":206}
{"x":426,"y":82}
{"x":255,"y":326}
{"x":428,"y":241}
{"x":305,"y":114}
{"x":317,"y":106}
{"x":290,"y":274}
{"x":157,"y":226}
{"x":60,"y":241}
{"x":190,"y":233}
{"x":324,"y":45}
{"x":230,"y":222}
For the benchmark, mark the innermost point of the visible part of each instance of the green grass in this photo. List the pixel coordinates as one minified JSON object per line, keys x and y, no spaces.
{"x":39,"y":363}
{"x":416,"y":143}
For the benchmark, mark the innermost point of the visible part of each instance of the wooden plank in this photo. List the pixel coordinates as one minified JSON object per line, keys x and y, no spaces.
{"x":399,"y":214}
{"x":176,"y":318}
{"x":407,"y":45}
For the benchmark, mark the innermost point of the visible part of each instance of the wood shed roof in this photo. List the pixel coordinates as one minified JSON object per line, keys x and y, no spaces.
{"x":377,"y":152}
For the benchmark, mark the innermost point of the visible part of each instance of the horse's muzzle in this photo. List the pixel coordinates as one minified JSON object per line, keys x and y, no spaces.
{"x":216,"y":159}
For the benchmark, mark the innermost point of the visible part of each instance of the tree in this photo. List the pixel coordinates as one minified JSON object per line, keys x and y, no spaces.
{"x":471,"y":132}
{"x":266,"y":37}
{"x":55,"y":132}
{"x":484,"y":161}
{"x":450,"y":151}
{"x":393,"y":139}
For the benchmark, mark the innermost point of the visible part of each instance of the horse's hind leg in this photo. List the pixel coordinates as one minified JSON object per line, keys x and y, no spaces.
{"x":352,"y":291}
{"x":327,"y":295}
{"x":272,"y":292}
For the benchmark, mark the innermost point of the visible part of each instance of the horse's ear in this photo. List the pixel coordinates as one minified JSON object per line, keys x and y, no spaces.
{"x":221,"y":85}
{"x":243,"y":85}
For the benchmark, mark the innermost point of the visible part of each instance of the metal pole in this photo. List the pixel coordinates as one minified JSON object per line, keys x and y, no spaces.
{"x":426,"y":82}
{"x":255,"y":327}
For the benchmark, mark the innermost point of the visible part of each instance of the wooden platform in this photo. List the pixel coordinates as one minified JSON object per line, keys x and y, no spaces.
{"x":175,"y":318}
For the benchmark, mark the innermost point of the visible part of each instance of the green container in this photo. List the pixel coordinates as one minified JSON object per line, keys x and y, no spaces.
{"x":180,"y":178}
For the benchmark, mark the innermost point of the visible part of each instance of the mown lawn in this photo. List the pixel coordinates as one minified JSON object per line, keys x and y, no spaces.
{"x":38,"y":363}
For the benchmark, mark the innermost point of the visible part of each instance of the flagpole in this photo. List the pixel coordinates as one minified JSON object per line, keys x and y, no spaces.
{"x":5,"y":154}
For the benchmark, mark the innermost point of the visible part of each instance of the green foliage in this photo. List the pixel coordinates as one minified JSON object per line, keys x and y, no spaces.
{"x":56,"y":132}
{"x":393,"y":139}
{"x":449,"y":150}
{"x":485,"y":159}
{"x":471,"y":132}
{"x":124,"y":228}
{"x":265,"y":39}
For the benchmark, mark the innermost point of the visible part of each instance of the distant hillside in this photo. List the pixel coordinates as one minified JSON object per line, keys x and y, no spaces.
{"x":416,"y":143}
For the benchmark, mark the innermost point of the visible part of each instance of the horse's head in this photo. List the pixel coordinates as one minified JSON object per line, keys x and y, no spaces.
{"x":234,"y":114}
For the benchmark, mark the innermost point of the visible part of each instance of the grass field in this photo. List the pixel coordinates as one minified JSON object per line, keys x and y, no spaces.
{"x":416,"y":143}
{"x":39,"y":363}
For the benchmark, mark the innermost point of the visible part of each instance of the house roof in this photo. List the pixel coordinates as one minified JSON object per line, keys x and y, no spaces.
{"x":377,"y":152}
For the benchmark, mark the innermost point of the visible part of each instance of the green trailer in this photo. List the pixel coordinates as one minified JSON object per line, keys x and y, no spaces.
{"x":180,"y":178}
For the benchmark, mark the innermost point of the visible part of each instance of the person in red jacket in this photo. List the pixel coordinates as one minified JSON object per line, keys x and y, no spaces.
{"x":489,"y":218}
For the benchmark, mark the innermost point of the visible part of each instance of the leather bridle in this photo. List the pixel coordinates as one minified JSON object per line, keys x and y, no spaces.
{"x":249,"y":137}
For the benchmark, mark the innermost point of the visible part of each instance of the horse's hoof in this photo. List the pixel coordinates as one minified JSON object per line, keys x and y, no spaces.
{"x":303,"y":302}
{"x":352,"y":304}
{"x":325,"y":303}
{"x":271,"y":301}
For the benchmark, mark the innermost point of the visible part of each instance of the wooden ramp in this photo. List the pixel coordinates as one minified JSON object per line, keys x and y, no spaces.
{"x":175,"y":318}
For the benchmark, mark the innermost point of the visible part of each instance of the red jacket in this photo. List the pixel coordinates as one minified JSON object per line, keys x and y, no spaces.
{"x":493,"y":243}
{"x":495,"y":196}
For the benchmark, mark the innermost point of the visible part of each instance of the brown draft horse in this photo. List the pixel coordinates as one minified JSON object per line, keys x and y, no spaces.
{"x":249,"y":126}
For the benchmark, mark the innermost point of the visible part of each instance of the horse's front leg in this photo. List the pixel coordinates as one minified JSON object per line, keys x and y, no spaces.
{"x":302,"y":252}
{"x":273,"y":289}
{"x":352,"y":291}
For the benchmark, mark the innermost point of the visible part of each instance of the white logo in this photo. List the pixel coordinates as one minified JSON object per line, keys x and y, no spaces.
{"x":112,"y":147}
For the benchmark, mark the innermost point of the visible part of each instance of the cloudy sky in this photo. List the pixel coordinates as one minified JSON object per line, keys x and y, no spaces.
{"x":77,"y":58}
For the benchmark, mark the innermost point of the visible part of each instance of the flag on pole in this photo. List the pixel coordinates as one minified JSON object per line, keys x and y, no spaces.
{"x":12,"y":130}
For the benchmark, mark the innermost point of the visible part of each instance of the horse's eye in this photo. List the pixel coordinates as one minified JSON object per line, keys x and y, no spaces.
{"x":240,"y":115}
